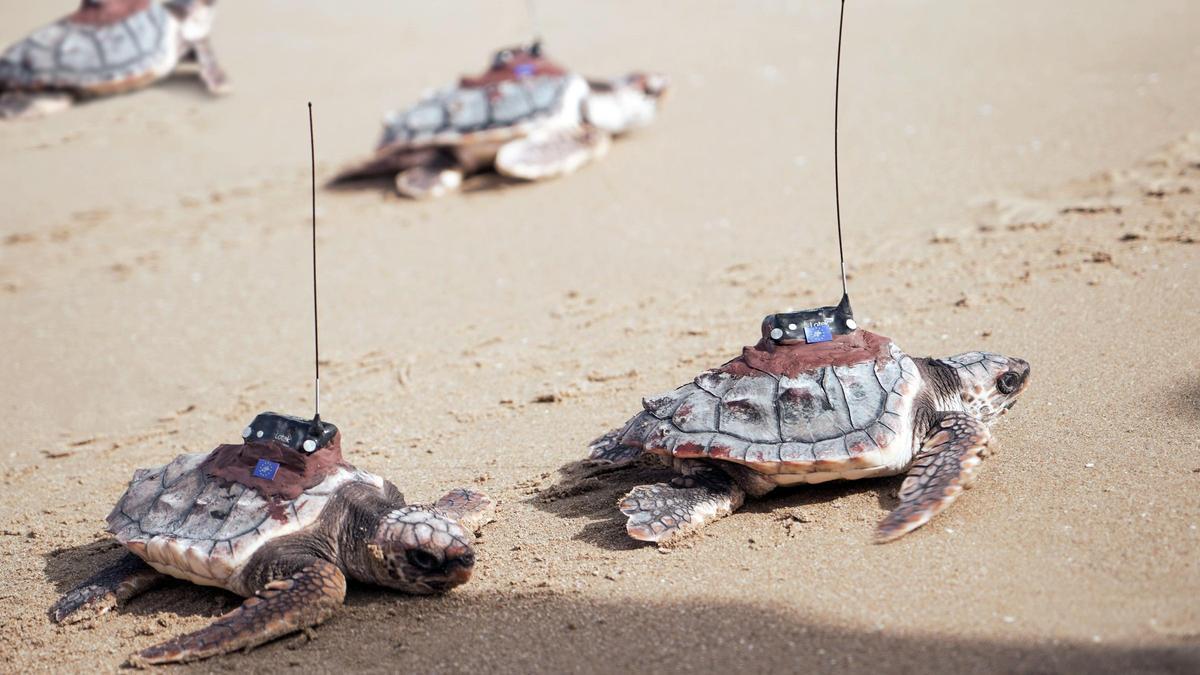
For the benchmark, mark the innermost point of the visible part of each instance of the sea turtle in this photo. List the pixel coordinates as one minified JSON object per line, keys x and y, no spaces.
{"x":106,"y":47}
{"x":817,"y":399}
{"x":526,"y":117}
{"x":282,"y":519}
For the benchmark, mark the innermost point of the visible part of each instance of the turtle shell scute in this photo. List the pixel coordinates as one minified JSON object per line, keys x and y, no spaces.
{"x":190,"y":525}
{"x":493,"y":112}
{"x":846,"y":415}
{"x":93,"y":58}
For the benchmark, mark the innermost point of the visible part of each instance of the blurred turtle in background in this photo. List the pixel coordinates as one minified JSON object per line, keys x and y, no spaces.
{"x":526,"y":117}
{"x":107,"y":47}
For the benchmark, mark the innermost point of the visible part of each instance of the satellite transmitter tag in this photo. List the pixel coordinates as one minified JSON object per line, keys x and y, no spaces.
{"x":810,"y":325}
{"x":299,"y":434}
{"x":294,"y":432}
{"x":817,"y":325}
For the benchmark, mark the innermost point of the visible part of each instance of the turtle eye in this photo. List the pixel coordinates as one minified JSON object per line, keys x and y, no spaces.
{"x":423,"y":560}
{"x":1008,"y":382}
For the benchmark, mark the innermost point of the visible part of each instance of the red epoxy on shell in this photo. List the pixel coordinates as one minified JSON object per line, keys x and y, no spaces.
{"x":298,"y":471}
{"x":533,"y":66}
{"x":106,"y":13}
{"x":793,"y":360}
{"x":277,"y":510}
{"x":718,"y":450}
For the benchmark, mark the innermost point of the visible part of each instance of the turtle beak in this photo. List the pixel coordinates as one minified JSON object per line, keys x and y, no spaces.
{"x":459,"y":568}
{"x":459,"y":576}
{"x":457,"y":573}
{"x":1023,"y":365}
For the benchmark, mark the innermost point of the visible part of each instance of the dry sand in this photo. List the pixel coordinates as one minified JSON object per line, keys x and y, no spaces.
{"x":1017,"y":176}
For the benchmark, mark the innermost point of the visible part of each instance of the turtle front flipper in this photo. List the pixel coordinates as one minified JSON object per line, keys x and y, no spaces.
{"x":470,"y":508}
{"x":664,"y":511}
{"x":27,"y":105}
{"x":944,"y":467}
{"x":210,"y":71}
{"x":128,"y":577}
{"x":307,"y":598}
{"x":551,"y":153}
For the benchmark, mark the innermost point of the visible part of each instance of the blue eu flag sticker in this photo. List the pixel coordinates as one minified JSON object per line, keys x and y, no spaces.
{"x":266,"y":469}
{"x":817,"y":332}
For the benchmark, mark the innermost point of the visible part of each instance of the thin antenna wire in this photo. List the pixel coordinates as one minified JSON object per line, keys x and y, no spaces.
{"x":316,"y":335}
{"x":836,"y":193}
{"x":531,"y":10}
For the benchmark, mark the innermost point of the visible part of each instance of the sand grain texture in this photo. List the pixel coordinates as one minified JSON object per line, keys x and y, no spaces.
{"x":1021,"y":177}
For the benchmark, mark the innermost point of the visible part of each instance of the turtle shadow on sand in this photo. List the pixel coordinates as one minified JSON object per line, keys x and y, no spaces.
{"x":488,"y":181}
{"x":589,"y":491}
{"x":1184,"y":400}
{"x":532,"y":631}
{"x":798,"y":496}
{"x":68,"y":566}
{"x":179,"y":83}
{"x":478,"y":631}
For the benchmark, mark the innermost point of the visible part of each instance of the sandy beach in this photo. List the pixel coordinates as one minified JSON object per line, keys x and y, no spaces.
{"x":1018,"y":177}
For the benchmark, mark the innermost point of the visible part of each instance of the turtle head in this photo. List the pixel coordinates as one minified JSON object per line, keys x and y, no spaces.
{"x":989,"y":384}
{"x":195,"y":17}
{"x":417,"y":549}
{"x":626,"y":103}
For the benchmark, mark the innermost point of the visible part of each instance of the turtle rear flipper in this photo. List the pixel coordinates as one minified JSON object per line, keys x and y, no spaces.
{"x":426,"y":181}
{"x":551,"y":153}
{"x":944,"y":467}
{"x":471,"y":509}
{"x":385,"y":163}
{"x":128,"y":577}
{"x":608,"y":449}
{"x":664,"y":511}
{"x":305,"y":599}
